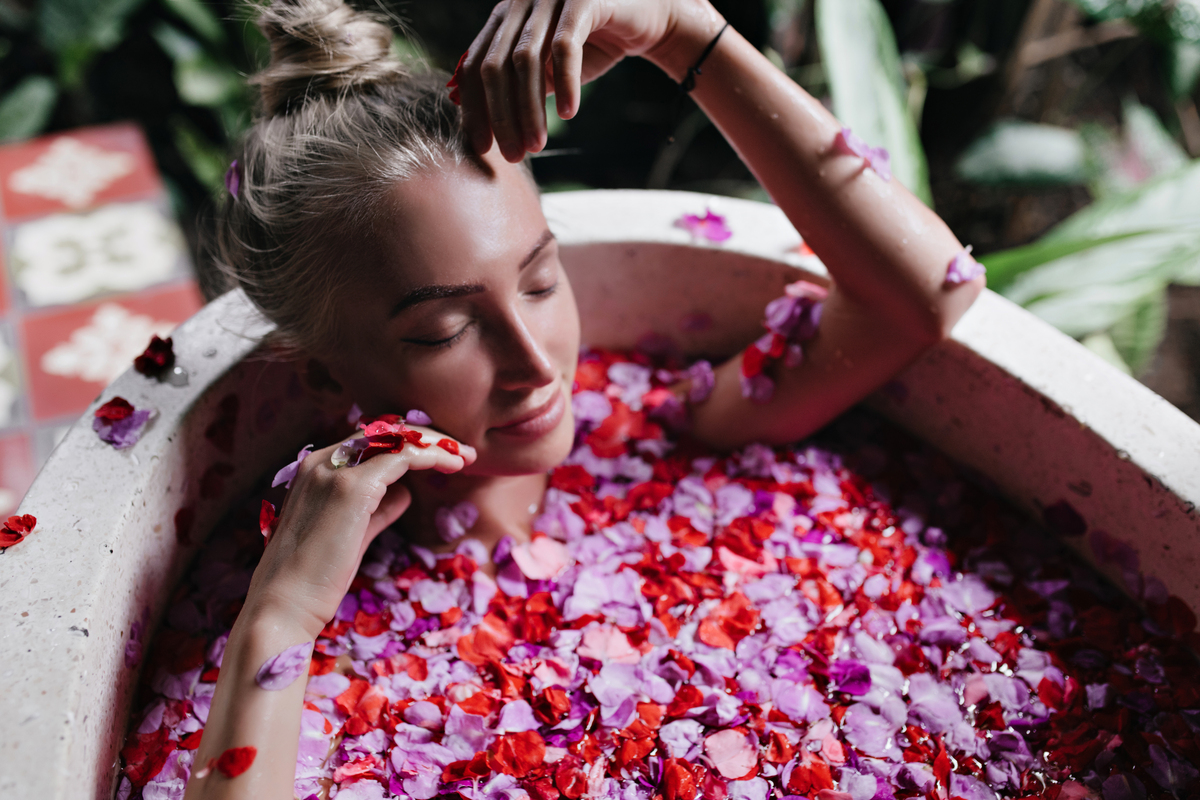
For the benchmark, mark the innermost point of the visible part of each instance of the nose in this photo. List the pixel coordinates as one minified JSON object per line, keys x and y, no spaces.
{"x":522,"y":358}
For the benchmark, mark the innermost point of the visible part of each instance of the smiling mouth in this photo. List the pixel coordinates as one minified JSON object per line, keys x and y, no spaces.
{"x":538,"y":421}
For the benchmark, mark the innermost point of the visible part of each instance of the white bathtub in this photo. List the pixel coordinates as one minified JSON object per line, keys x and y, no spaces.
{"x":1041,"y":416}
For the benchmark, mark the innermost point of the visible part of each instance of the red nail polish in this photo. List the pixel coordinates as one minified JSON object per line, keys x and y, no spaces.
{"x":455,"y":97}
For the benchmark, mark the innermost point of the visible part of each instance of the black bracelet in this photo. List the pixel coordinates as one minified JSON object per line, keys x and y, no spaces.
{"x":689,"y":82}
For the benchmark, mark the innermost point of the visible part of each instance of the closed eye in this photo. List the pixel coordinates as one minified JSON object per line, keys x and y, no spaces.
{"x":437,"y":343}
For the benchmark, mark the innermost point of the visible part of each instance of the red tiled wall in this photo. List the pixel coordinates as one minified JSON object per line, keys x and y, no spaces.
{"x":91,"y":264}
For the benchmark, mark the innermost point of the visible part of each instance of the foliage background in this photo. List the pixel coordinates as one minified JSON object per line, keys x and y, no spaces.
{"x":1055,"y":136}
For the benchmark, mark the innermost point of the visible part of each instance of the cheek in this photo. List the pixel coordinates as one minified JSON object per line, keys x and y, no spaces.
{"x":452,"y":386}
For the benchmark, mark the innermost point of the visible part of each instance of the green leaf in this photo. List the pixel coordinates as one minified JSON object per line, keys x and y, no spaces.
{"x":1145,"y":151}
{"x":26,"y":109}
{"x":1154,"y":239}
{"x":1012,"y":151}
{"x":866,"y":80}
{"x":200,"y":79}
{"x":207,"y":161}
{"x":1102,"y":345}
{"x":1004,"y":267}
{"x":176,"y":44}
{"x":76,"y":30}
{"x":199,"y":18}
{"x":1138,"y":335}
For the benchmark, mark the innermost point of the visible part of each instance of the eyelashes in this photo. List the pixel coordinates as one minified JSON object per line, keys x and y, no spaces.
{"x":440,"y":344}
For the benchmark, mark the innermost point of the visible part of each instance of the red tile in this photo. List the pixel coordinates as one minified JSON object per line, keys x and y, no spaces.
{"x":71,"y":354}
{"x":17,"y":470}
{"x":76,"y":170}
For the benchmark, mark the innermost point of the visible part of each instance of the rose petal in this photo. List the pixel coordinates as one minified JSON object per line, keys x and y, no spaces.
{"x":732,"y":753}
{"x":541,"y":559}
{"x":281,"y":671}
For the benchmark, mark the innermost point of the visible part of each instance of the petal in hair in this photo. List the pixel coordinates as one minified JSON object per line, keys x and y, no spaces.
{"x":233,"y":179}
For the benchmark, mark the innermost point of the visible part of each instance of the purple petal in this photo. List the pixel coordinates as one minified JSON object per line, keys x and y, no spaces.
{"x":288,"y":473}
{"x":233,"y":178}
{"x":516,"y":717}
{"x":703,"y":380}
{"x":417,"y":417}
{"x":758,"y":389}
{"x":851,"y":677}
{"x":123,"y":433}
{"x":711,"y":226}
{"x":281,"y":671}
{"x":964,"y":268}
{"x":783,"y":314}
{"x":453,"y":522}
{"x":877,"y":158}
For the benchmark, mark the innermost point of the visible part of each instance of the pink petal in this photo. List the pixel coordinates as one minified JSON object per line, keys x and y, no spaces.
{"x":711,"y":226}
{"x":731,"y":753}
{"x":541,"y":559}
{"x":607,"y":643}
{"x":806,"y":289}
{"x":964,"y":268}
{"x":281,"y":671}
{"x":877,"y":158}
{"x":740,"y":565}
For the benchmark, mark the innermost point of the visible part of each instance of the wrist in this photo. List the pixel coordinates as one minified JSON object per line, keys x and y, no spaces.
{"x":263,"y":618}
{"x":692,"y":27}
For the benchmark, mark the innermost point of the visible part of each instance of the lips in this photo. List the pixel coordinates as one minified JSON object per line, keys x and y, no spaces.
{"x":537,"y":421}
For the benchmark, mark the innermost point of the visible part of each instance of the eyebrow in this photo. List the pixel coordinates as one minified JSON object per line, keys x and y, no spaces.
{"x":424,"y":294}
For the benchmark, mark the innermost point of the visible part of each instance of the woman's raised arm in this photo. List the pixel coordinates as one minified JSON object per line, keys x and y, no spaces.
{"x":887,"y":252}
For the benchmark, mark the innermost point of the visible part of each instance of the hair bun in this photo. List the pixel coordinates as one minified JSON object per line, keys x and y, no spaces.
{"x":321,"y":47}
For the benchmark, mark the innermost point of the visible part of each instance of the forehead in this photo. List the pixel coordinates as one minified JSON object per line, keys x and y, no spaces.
{"x":457,"y":224}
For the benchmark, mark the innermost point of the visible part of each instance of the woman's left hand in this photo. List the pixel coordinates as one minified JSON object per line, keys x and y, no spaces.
{"x":529,"y":48}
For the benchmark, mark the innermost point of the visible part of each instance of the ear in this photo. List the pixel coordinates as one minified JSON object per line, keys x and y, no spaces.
{"x":321,"y":386}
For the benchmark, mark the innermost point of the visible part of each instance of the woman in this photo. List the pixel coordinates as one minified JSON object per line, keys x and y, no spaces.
{"x":402,"y":251}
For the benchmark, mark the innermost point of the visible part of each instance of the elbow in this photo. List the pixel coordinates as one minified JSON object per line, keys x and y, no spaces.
{"x":934,"y":322}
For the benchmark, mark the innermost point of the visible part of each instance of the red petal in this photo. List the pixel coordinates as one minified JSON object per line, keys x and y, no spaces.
{"x":267,"y":520}
{"x":114,"y":410}
{"x":236,"y":760}
{"x":449,"y":445}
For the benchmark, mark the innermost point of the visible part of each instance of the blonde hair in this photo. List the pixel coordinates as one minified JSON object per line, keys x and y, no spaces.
{"x":341,"y":121}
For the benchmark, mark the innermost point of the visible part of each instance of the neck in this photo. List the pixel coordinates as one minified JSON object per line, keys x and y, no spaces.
{"x":507,"y":507}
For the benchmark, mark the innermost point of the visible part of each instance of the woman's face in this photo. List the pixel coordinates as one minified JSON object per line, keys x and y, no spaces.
{"x":464,"y":312}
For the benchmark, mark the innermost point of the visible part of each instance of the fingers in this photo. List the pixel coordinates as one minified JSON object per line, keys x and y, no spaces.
{"x":529,"y":68}
{"x":470,"y":85}
{"x":443,"y":442}
{"x":395,"y":502}
{"x":497,"y":71}
{"x":566,"y":52}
